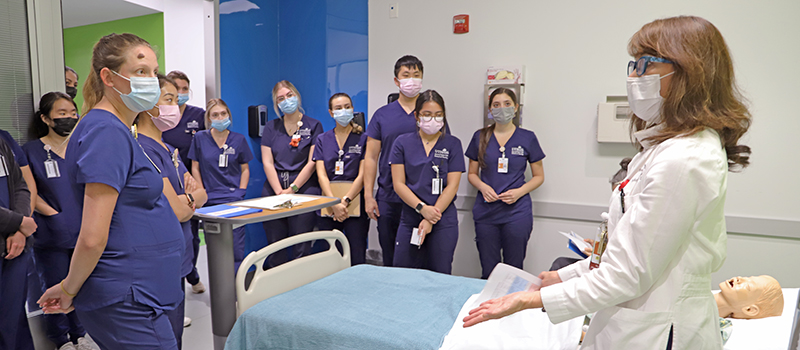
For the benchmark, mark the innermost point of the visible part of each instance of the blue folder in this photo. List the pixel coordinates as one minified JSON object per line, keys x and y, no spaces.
{"x":226,"y":211}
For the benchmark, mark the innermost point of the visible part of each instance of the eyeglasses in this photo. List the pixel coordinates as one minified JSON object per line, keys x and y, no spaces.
{"x":426,"y":117}
{"x":640,"y":65}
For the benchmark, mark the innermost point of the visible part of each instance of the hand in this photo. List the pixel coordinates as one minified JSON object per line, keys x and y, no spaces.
{"x":340,"y":212}
{"x":549,"y":278}
{"x":488,"y":194}
{"x":286,"y":191}
{"x":503,"y":306}
{"x":15,"y":244}
{"x":189,"y":183}
{"x":28,"y":226}
{"x":510,"y":196}
{"x":55,"y":301}
{"x":371,"y":206}
{"x":424,"y":228}
{"x":190,"y":203}
{"x":431,"y":213}
{"x":590,"y":250}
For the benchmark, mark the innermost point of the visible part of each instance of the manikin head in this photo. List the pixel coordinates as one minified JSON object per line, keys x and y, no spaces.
{"x":750,"y":297}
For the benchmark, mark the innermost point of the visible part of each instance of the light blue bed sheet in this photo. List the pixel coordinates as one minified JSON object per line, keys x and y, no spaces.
{"x":362,"y":307}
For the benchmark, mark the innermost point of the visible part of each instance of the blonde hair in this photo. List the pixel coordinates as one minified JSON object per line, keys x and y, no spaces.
{"x":290,"y":86}
{"x":211,"y":104}
{"x":109,"y":53}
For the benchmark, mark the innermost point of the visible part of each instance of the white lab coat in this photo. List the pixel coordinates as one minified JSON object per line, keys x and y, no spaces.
{"x":656,"y":270}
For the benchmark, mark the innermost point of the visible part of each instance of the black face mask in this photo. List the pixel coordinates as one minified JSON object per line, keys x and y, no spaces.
{"x":72,"y":91}
{"x":63,"y":126}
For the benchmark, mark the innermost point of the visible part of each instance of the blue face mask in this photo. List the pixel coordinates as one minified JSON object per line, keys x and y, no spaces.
{"x":144,"y":94}
{"x":221,"y":125}
{"x":343,"y":116}
{"x":182,"y":99}
{"x":288,"y":105}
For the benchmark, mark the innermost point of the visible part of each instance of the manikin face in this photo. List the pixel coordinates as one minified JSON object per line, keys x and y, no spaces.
{"x":741,"y":293}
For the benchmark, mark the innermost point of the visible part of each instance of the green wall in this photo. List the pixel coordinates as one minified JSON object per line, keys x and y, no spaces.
{"x":79,"y":41}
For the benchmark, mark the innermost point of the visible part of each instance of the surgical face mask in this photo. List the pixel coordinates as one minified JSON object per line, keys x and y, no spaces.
{"x":503,"y":115}
{"x":410,"y":86}
{"x":343,"y":116}
{"x":288,"y":105}
{"x":644,"y":96}
{"x":144,"y":94}
{"x":63,"y":126}
{"x":72,"y":91}
{"x":182,"y":99}
{"x":221,"y":125}
{"x":168,"y":117}
{"x":430,"y":127}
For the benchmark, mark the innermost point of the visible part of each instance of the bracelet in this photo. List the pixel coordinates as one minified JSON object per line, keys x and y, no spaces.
{"x":294,"y":188}
{"x":65,"y":291}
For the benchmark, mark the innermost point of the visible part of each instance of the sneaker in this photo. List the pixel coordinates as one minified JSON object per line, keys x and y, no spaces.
{"x":198,"y":288}
{"x":187,"y":322}
{"x":86,"y":343}
{"x":67,"y":346}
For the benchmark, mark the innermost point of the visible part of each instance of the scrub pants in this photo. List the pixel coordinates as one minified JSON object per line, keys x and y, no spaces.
{"x":356,"y":230}
{"x":53,"y":266}
{"x":511,"y":238}
{"x":277,"y":230}
{"x":14,"y":331}
{"x":436,"y":252}
{"x":193,"y":277}
{"x":129,"y":325}
{"x":176,"y":318}
{"x":388,"y":223}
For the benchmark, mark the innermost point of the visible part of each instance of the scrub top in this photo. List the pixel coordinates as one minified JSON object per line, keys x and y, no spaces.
{"x":221,"y":183}
{"x":145,"y":245}
{"x":173,"y":169}
{"x":521,"y":150}
{"x":5,"y":194}
{"x":19,"y":154}
{"x":285,"y":156}
{"x":389,"y":122}
{"x":446,"y":155}
{"x":192,"y":121}
{"x":59,"y":230}
{"x":326,"y":149}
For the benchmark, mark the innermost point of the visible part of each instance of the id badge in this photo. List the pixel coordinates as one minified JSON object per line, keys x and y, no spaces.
{"x":437,"y":186}
{"x":3,"y":167}
{"x":51,"y":167}
{"x":502,"y":165}
{"x":415,"y":237}
{"x":339,"y":168}
{"x":223,"y":160}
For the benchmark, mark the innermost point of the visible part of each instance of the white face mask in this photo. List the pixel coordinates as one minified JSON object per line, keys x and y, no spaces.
{"x":644,"y":96}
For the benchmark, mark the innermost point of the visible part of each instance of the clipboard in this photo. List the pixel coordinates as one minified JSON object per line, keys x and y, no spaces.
{"x":339,"y":189}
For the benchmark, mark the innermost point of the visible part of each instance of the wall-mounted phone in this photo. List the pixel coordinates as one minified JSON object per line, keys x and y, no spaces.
{"x":256,"y":119}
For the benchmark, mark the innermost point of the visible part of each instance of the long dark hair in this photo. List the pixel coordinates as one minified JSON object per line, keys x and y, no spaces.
{"x":431,"y":96}
{"x":486,"y":133}
{"x":38,"y":128}
{"x":356,"y":128}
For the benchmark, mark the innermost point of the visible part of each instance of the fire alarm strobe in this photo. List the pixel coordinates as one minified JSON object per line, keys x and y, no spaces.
{"x":461,"y":24}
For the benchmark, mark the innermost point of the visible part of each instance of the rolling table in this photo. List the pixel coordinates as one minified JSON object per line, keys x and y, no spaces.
{"x":219,"y":245}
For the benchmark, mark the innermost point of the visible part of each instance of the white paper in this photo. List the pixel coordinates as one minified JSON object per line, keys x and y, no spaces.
{"x":416,"y":238}
{"x":577,"y":239}
{"x":272,"y":202}
{"x":506,"y":279}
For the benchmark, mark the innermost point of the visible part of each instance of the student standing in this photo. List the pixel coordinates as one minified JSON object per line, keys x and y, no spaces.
{"x":389,"y":122}
{"x":499,"y":155}
{"x":426,"y":170}
{"x":220,"y":164}
{"x":287,"y":146}
{"x":339,"y":155}
{"x":125,"y":268}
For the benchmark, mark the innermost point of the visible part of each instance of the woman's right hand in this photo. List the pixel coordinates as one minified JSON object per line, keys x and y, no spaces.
{"x":488,"y":193}
{"x":549,"y":278}
{"x":55,"y":301}
{"x":340,"y":212}
{"x":431,"y":213}
{"x":371,"y":207}
{"x":28,"y":226}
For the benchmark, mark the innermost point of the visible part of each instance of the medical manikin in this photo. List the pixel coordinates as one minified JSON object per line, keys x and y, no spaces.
{"x":750,"y":297}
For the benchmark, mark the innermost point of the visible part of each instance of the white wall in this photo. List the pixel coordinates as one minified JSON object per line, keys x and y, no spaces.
{"x":184,"y":44}
{"x":575,"y":54}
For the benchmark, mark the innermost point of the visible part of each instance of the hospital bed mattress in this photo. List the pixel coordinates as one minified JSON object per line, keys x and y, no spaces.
{"x":362,"y":307}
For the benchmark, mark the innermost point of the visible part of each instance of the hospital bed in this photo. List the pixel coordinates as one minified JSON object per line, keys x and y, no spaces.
{"x":319,"y":302}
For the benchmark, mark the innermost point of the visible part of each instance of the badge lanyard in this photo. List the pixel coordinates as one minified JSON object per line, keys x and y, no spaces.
{"x":339,"y":167}
{"x":502,"y":162}
{"x":600,"y":242}
{"x":3,"y":166}
{"x":437,"y":182}
{"x":223,"y":158}
{"x":177,"y":165}
{"x":50,"y":165}
{"x":135,"y":135}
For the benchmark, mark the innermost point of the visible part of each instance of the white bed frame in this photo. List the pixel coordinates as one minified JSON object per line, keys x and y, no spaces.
{"x":293,"y":274}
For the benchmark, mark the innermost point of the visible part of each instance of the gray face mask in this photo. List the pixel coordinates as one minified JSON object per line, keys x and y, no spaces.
{"x":503,"y":115}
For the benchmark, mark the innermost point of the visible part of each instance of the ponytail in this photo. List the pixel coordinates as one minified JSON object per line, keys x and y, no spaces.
{"x":92,"y":92}
{"x":485,"y":136}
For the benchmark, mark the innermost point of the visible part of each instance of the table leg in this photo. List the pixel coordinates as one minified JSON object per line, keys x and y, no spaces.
{"x":221,"y":279}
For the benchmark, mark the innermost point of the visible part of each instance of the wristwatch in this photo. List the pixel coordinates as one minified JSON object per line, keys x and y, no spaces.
{"x":190,"y":197}
{"x":294,"y":188}
{"x":419,"y":207}
{"x":346,"y":199}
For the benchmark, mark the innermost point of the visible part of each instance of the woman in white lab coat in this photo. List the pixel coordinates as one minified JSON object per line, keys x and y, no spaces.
{"x":666,"y":221}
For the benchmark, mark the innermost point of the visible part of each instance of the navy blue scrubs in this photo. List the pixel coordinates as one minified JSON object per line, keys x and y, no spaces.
{"x":55,"y":236}
{"x":500,"y":226}
{"x":436,"y":252}
{"x":123,"y":301}
{"x":222,"y":183}
{"x":327,"y":150}
{"x":289,"y":161}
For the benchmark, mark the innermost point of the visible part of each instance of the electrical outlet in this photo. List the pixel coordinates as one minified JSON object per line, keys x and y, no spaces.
{"x":394,"y":10}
